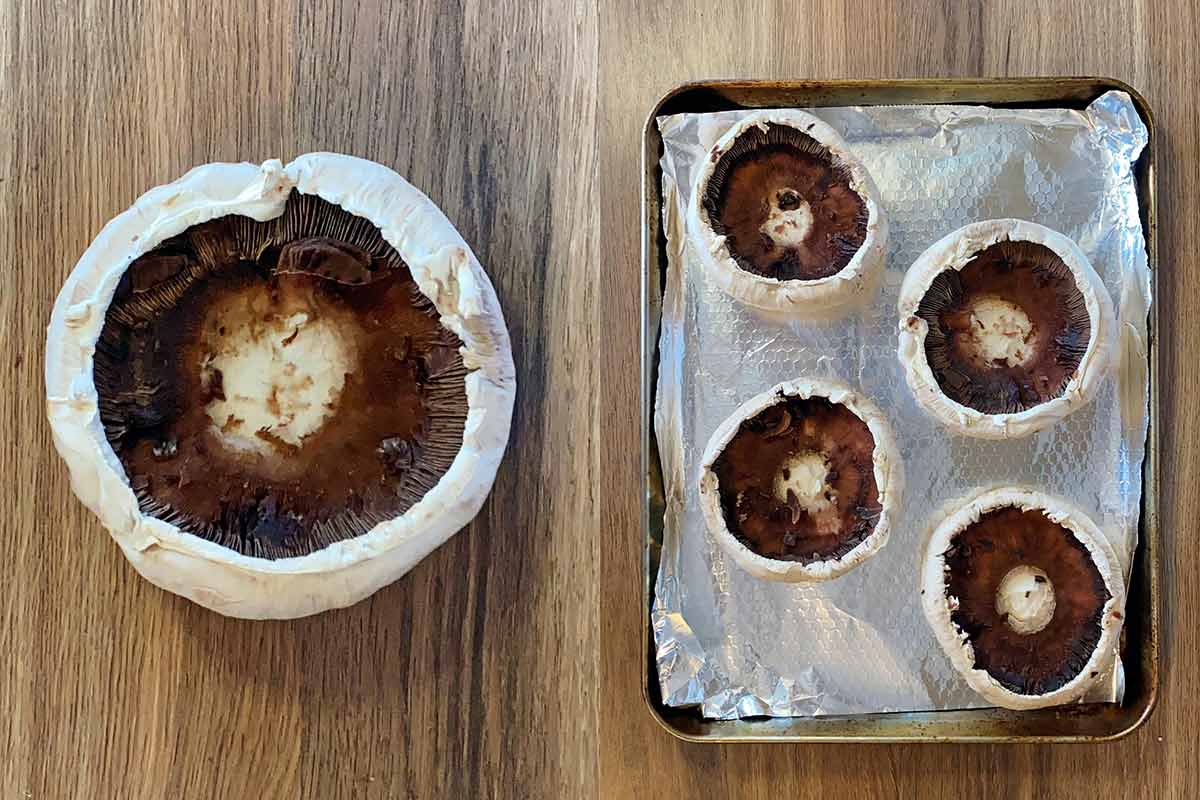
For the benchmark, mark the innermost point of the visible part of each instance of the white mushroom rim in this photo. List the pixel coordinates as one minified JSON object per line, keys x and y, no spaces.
{"x":822,"y":297}
{"x":444,"y":270}
{"x":953,"y":252}
{"x":887,"y":469}
{"x":938,"y":605}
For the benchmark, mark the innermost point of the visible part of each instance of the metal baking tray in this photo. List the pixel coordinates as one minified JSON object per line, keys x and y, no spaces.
{"x":1139,"y":646}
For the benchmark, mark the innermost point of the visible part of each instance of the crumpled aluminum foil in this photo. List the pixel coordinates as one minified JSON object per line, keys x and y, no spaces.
{"x":738,"y":646}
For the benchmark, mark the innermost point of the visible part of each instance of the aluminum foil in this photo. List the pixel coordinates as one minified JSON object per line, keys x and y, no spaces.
{"x":739,"y":646}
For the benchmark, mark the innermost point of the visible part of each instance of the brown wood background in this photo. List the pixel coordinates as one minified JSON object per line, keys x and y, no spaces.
{"x":645,"y":49}
{"x":506,"y":664}
{"x":475,"y":675}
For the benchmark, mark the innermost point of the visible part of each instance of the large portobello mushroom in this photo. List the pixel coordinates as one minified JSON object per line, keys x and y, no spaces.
{"x":786,"y":219}
{"x":280,"y":387}
{"x":1005,"y":329}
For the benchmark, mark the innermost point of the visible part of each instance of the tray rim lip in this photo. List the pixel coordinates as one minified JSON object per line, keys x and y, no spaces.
{"x":1149,"y":531}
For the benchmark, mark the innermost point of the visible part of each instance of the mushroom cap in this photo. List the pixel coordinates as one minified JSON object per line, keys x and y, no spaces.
{"x":821,"y":298}
{"x":939,"y":607}
{"x":345,"y":572}
{"x":887,"y":468}
{"x":955,"y":251}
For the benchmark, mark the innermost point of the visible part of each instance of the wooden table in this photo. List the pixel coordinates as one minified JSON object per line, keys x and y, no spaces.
{"x":484,"y":672}
{"x":473,"y":676}
{"x":647,"y":50}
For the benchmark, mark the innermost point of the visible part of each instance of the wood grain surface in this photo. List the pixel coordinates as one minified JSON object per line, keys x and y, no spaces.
{"x":507,"y":663}
{"x":473,"y":676}
{"x":646,"y":49}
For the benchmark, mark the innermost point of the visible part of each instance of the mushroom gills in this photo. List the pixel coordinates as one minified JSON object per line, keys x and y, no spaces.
{"x":1008,"y":331}
{"x":1029,"y":598}
{"x":278,"y":386}
{"x":797,"y":481}
{"x":785,"y":204}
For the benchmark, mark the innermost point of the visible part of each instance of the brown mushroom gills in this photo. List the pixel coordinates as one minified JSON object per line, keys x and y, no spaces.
{"x":785,"y":205}
{"x":982,"y":555}
{"x":797,"y":481}
{"x":278,"y":386}
{"x":1008,"y":331}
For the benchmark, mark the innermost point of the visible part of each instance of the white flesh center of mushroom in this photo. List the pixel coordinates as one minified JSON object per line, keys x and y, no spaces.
{"x":282,"y":369}
{"x":1025,"y":599}
{"x":804,"y":475}
{"x":1001,"y":332}
{"x":790,"y":220}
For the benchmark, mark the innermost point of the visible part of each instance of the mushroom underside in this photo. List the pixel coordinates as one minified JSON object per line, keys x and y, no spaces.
{"x":785,"y":204}
{"x":1008,"y":331}
{"x":1031,"y":637}
{"x":278,"y":386}
{"x":797,"y":482}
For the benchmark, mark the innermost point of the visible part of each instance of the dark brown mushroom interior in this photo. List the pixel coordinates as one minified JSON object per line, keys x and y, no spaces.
{"x":387,"y":437}
{"x":776,"y":170}
{"x":1025,"y":275}
{"x":978,"y":559}
{"x":774,"y":521}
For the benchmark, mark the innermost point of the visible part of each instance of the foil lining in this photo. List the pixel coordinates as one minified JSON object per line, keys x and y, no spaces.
{"x":737,"y":646}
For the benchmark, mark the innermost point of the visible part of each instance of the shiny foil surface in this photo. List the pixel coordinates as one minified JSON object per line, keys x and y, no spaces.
{"x":738,"y":646}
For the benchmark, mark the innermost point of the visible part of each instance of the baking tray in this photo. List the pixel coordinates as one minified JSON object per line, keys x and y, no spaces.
{"x":1139,"y":646}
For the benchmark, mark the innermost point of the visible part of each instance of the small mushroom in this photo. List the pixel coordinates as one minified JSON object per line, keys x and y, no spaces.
{"x":1007,"y":328}
{"x":771,"y":479}
{"x":1026,"y":636}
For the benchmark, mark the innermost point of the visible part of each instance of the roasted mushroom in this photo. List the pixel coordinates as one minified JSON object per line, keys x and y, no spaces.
{"x":298,"y":397}
{"x":1004,"y":329}
{"x":1025,"y":596}
{"x":801,"y":483}
{"x":785,"y":218}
